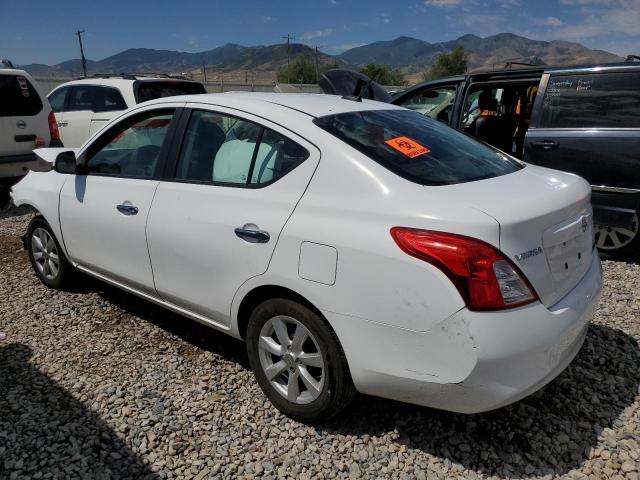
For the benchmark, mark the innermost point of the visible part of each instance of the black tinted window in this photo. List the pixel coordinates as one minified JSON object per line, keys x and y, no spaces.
{"x":592,"y":100}
{"x":84,"y":97}
{"x":18,"y":98}
{"x":57,"y":99}
{"x":109,"y":100}
{"x":131,"y":148}
{"x":418,"y":148}
{"x":222,"y":149}
{"x":167,"y":88}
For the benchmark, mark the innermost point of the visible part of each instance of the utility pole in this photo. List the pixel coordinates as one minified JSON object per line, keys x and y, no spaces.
{"x":289,"y":38}
{"x":84,"y":60}
{"x":317,"y":65}
{"x":204,"y":72}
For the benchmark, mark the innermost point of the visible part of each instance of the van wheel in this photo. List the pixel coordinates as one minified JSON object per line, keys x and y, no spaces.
{"x":619,"y":242}
{"x":47,"y":258}
{"x":298,"y":361}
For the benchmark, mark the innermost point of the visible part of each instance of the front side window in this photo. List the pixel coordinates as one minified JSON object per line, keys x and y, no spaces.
{"x":606,"y":100}
{"x":222,"y":149}
{"x":18,"y":98}
{"x":434,"y":102}
{"x":58,"y":99}
{"x":131,"y":148}
{"x":418,"y":148}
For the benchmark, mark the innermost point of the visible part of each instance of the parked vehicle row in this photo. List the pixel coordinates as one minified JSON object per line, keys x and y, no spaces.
{"x":355,"y":246}
{"x":584,"y":120}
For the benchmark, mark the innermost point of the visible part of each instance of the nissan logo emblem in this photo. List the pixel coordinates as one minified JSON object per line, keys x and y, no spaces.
{"x":21,"y":124}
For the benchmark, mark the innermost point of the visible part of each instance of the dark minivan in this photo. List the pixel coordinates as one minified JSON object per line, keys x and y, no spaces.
{"x":584,"y":120}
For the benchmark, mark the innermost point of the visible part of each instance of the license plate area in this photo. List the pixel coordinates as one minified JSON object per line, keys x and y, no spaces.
{"x":568,"y":247}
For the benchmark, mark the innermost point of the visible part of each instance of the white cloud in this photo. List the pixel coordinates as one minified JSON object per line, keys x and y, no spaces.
{"x":548,"y":21}
{"x":316,"y":34}
{"x":442,"y":3}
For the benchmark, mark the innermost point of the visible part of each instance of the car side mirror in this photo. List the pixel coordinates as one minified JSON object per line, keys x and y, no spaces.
{"x":65,"y":163}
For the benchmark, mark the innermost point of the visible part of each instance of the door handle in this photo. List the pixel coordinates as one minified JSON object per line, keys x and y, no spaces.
{"x":545,"y":145}
{"x":127,"y":209}
{"x":252,"y":236}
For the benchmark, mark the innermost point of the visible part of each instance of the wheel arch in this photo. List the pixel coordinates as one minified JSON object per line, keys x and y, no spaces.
{"x":261,"y":293}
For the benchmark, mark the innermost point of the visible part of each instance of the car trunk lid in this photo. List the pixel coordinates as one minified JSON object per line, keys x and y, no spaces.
{"x":546,"y":224}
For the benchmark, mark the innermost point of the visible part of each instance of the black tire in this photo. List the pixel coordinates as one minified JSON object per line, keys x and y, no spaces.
{"x":337,"y":390}
{"x":63,"y":276}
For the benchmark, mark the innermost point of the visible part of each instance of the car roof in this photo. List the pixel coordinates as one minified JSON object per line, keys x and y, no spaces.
{"x":13,"y":71}
{"x":312,"y":104}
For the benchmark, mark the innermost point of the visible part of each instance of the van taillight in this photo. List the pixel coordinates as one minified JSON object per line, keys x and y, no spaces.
{"x":53,"y":126}
{"x":485,"y":278}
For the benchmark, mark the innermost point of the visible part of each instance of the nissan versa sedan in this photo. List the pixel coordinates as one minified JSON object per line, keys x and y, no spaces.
{"x":355,"y":246}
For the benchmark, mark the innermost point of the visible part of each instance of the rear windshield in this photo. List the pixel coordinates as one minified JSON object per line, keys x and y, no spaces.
{"x":169,"y":88}
{"x":418,"y":148}
{"x":18,"y":98}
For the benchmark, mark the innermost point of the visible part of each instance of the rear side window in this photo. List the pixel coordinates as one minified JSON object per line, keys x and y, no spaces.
{"x":226,"y":150}
{"x":83,"y":98}
{"x":18,"y":97}
{"x":110,"y":100}
{"x":418,"y":148}
{"x":146,"y":91}
{"x":592,"y":100}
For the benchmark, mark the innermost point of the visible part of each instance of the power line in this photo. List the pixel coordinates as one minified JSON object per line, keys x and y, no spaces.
{"x":317,"y":67}
{"x":288,"y":37}
{"x":84,"y":60}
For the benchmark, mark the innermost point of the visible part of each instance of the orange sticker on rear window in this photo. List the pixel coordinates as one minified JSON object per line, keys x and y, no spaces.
{"x":407,"y":146}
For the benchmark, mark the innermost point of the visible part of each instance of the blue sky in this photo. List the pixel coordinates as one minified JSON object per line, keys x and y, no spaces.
{"x":43,"y":32}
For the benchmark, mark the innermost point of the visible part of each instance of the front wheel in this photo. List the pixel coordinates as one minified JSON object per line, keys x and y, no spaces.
{"x":298,"y":361}
{"x":47,"y":258}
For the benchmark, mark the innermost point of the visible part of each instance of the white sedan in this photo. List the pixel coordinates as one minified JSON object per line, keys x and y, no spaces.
{"x":355,"y":246}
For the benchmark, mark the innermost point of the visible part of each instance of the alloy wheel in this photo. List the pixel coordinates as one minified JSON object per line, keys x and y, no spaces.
{"x":45,"y":253}
{"x":613,"y":238}
{"x":291,"y":359}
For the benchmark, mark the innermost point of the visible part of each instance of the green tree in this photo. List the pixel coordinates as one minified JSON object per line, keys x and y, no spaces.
{"x":448,"y":64}
{"x":384,"y":75}
{"x":301,"y":70}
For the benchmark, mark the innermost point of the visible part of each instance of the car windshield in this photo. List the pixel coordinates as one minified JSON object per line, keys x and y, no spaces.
{"x":160,"y":89}
{"x":418,"y":148}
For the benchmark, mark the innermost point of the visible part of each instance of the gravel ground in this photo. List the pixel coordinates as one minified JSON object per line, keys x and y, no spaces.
{"x":95,"y":383}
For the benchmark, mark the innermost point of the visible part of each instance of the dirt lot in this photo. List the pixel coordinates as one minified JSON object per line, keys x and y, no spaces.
{"x":95,"y":383}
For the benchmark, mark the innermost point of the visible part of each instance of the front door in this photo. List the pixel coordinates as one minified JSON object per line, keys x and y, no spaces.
{"x":237,"y":181}
{"x":103,"y":214}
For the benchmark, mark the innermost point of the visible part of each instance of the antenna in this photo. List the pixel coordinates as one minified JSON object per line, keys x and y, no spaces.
{"x":84,"y":60}
{"x":288,"y":37}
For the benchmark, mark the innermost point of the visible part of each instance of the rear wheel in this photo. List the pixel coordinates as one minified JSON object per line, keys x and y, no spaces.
{"x":298,"y":361}
{"x":47,"y":258}
{"x":619,"y":241}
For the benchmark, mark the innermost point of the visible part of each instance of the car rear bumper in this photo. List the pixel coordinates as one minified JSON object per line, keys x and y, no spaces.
{"x":473,"y":361}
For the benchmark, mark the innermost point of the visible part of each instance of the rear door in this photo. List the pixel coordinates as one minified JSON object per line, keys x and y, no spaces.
{"x":216,"y":223}
{"x":109,"y":103}
{"x":588,"y":123}
{"x":83,"y":101}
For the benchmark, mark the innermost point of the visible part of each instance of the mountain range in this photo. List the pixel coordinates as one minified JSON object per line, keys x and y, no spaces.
{"x":405,"y":53}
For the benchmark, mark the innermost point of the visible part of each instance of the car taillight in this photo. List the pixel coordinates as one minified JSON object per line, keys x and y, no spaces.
{"x":53,"y":127}
{"x":485,"y":278}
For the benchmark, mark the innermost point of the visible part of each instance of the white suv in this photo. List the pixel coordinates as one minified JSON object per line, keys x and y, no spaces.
{"x":26,"y":122}
{"x":84,"y":106}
